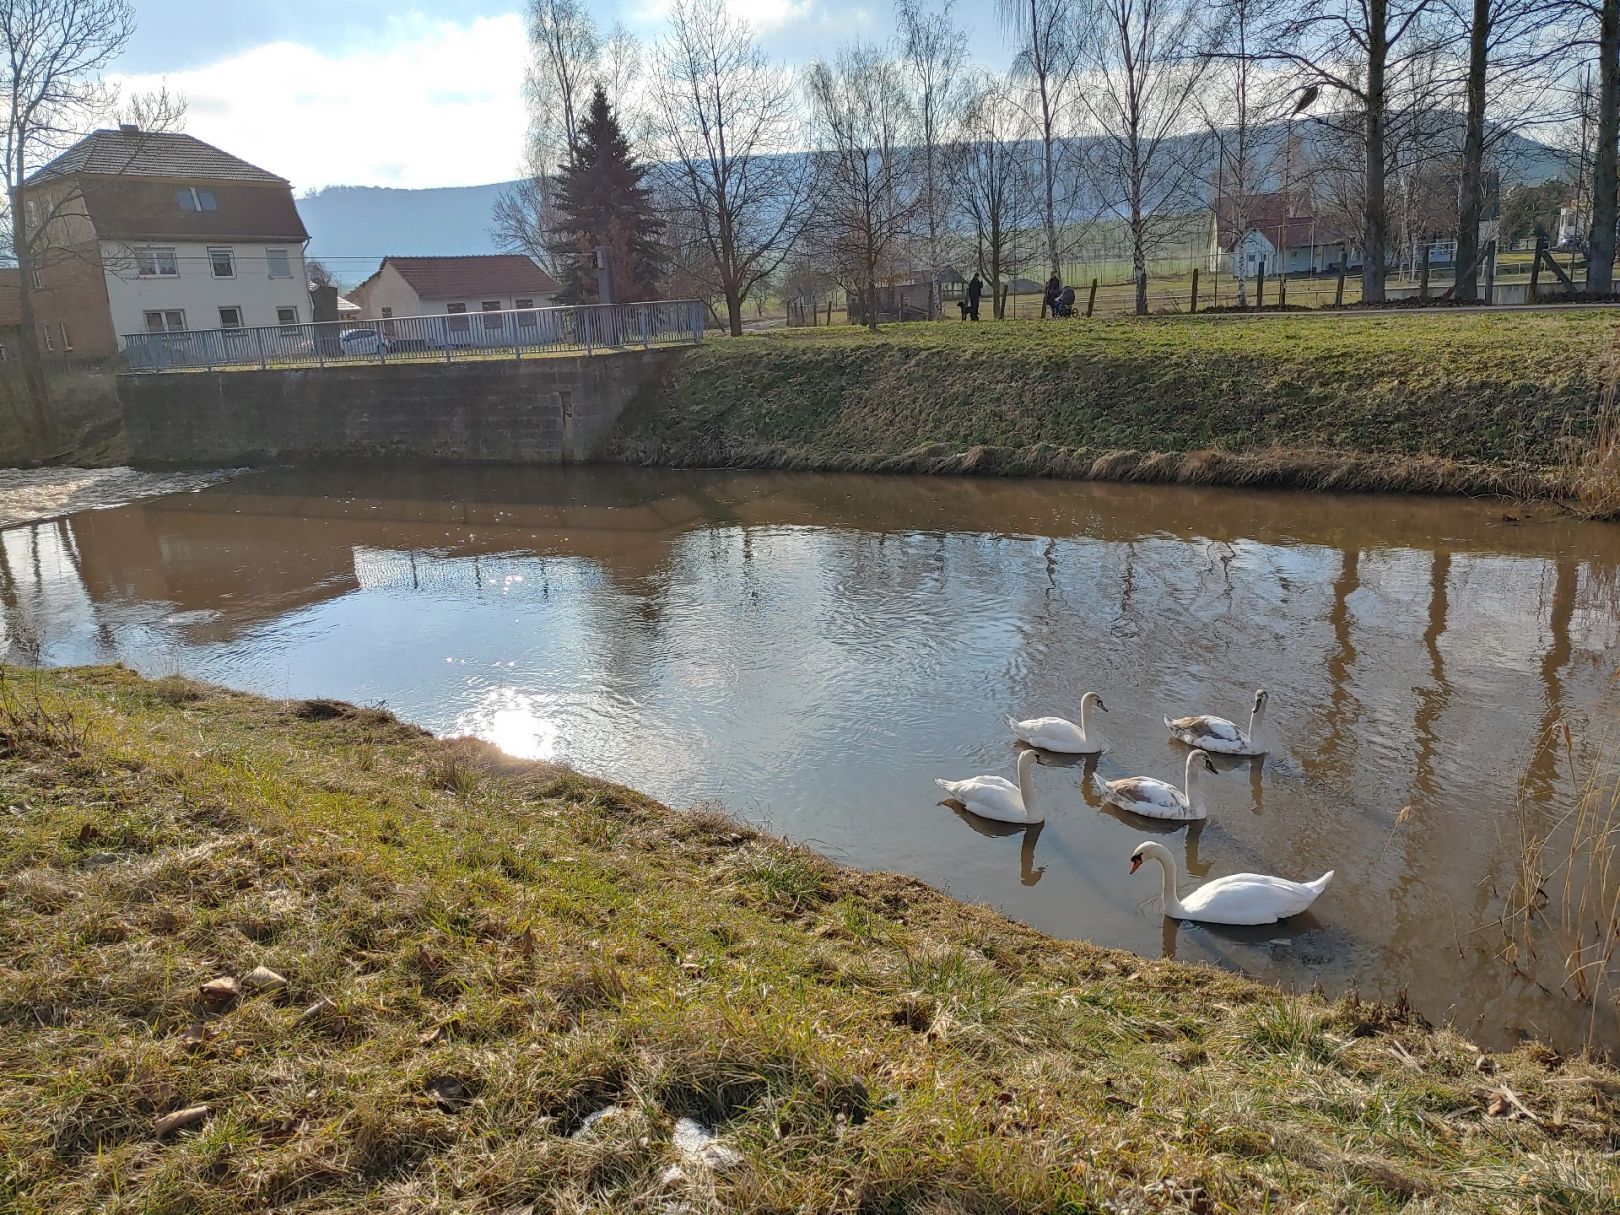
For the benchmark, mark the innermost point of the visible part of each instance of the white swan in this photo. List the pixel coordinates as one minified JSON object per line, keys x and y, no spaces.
{"x":1221,"y":736}
{"x":1060,"y":734}
{"x":997,"y":797}
{"x":1243,"y":898}
{"x":1154,"y":799}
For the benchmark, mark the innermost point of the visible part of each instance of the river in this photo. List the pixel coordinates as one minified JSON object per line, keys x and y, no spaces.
{"x":811,"y":651}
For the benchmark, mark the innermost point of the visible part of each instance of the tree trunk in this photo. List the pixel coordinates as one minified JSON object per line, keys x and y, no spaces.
{"x":734,"y":311}
{"x":1605,"y":203}
{"x":1470,"y":194}
{"x":33,"y":363}
{"x":1139,"y":253}
{"x":1376,"y":222}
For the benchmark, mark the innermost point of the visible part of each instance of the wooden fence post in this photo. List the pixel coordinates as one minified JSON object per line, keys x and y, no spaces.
{"x":1338,"y":291}
{"x":1423,"y":277}
{"x":1091,"y":300}
{"x":1535,"y":269}
{"x":1282,"y":289}
{"x":1260,"y":287}
{"x":1195,"y":289}
{"x":1490,"y":272}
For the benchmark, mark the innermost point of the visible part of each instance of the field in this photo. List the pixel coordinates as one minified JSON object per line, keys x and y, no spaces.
{"x":1438,"y":401}
{"x":299,"y":956}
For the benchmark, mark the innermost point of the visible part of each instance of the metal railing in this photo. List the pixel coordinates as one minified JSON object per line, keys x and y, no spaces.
{"x":446,"y":337}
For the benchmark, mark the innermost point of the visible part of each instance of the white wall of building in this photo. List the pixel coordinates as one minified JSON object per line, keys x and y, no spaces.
{"x":386,"y":289}
{"x":197,"y":292}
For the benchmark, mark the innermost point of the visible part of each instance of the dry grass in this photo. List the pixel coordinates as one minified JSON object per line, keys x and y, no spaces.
{"x":1446,"y":403}
{"x":480,"y":953}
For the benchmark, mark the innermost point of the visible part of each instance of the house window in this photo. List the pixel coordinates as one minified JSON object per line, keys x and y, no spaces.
{"x":223,"y":262}
{"x":171,"y":321}
{"x":156,"y":263}
{"x":458,"y":319}
{"x":2,"y":352}
{"x":50,"y":342}
{"x":287,"y":316}
{"x":276,"y":259}
{"x":525,"y":320}
{"x":67,"y":340}
{"x":388,"y":321}
{"x":230,"y":318}
{"x":192,"y":199}
{"x":492,"y":314}
{"x":33,"y":276}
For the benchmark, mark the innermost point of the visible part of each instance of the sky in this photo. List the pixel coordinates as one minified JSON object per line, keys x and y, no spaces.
{"x":416,"y":95}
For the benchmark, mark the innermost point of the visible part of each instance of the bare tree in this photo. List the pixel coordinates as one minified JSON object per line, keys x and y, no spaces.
{"x":1141,"y":70}
{"x":933,"y":51}
{"x":866,"y":169}
{"x":994,"y":182}
{"x":565,"y":62}
{"x":724,"y":119}
{"x":1360,"y":49}
{"x":54,"y":53}
{"x":1596,"y":24}
{"x":1047,"y":34}
{"x":1241,"y":103}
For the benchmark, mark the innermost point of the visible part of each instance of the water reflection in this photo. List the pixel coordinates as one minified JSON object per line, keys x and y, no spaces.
{"x":811,"y":651}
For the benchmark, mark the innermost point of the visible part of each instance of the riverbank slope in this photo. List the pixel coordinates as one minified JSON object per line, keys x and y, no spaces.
{"x":1491,"y":402}
{"x":465,"y":958}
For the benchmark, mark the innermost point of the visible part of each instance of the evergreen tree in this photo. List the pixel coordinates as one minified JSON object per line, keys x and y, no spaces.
{"x":601,"y":200}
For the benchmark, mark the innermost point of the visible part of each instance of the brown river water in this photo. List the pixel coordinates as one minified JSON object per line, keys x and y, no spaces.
{"x":811,"y":651}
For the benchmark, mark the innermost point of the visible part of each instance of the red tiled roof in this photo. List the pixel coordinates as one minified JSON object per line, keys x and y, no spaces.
{"x":455,"y":278}
{"x":152,"y":154}
{"x":1287,"y":222}
{"x":132,"y":208}
{"x":10,"y":297}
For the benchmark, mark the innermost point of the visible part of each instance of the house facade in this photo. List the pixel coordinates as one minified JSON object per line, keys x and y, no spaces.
{"x":153,"y":232}
{"x":434,"y":286}
{"x":1283,"y":233}
{"x":10,"y":313}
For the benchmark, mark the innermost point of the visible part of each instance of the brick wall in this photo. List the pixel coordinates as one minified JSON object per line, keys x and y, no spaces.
{"x":547,"y":410}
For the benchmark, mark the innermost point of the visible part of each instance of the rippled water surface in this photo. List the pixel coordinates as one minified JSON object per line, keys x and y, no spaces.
{"x":812,"y":651}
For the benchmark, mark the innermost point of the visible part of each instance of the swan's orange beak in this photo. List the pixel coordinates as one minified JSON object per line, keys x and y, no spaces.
{"x":1136,"y":863}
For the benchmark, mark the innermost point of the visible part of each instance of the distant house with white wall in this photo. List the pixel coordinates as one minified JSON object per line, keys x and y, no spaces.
{"x":1283,"y":233}
{"x":151,"y":232}
{"x":434,"y":286}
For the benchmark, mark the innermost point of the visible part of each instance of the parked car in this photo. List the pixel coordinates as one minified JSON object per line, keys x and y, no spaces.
{"x":364,"y":341}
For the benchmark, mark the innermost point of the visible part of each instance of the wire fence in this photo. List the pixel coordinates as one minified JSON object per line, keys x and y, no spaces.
{"x":514,"y":333}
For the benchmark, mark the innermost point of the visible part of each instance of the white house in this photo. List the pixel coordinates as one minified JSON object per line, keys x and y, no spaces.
{"x":1283,"y":234}
{"x":156,"y":232}
{"x":434,"y":286}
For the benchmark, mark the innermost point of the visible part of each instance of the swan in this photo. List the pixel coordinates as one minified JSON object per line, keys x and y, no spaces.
{"x":1243,"y":898}
{"x":1061,"y":735}
{"x":997,"y":797}
{"x":1154,"y":798}
{"x":1221,"y":736}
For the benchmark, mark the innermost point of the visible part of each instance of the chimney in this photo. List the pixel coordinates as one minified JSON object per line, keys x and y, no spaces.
{"x":129,"y":128}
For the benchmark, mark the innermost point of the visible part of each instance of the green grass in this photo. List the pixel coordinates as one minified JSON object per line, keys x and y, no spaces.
{"x":1458,"y":401}
{"x":480,"y":952}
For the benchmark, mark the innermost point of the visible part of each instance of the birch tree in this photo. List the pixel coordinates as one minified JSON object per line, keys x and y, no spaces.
{"x":994,"y":184}
{"x":1141,"y":71}
{"x":1048,"y":38}
{"x":933,"y":51}
{"x":725,"y":119}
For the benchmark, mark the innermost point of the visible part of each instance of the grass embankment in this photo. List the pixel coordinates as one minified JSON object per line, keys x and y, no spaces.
{"x":473,"y":954}
{"x":87,"y":427}
{"x":1480,"y":402}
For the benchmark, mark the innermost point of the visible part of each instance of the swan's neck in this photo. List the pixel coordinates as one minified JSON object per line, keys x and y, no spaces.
{"x":1026,"y":787}
{"x":1189,"y":782}
{"x":1257,"y":721}
{"x":1085,"y":716}
{"x":1172,"y":905}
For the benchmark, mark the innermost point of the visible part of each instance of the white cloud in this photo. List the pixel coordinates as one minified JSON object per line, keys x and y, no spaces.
{"x":434,"y":103}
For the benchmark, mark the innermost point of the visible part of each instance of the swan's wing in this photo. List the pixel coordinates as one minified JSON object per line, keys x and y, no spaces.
{"x":1217,"y":728}
{"x":1147,"y":796}
{"x":1053,"y":733}
{"x":978,"y":786}
{"x":1249,"y":898}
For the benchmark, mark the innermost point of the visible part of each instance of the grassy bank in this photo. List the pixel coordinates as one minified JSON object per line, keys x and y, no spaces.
{"x":472,"y":955}
{"x":87,"y":425}
{"x":1462,"y":402}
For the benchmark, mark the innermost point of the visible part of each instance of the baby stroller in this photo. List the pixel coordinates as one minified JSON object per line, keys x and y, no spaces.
{"x":1064,"y":304}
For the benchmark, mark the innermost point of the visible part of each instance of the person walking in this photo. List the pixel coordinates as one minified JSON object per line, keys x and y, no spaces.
{"x":975,"y":290}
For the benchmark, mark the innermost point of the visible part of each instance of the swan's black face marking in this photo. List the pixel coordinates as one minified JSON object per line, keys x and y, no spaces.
{"x":1136,"y":863}
{"x":1210,"y":764}
{"x":1098,"y":702}
{"x":1260,"y":698}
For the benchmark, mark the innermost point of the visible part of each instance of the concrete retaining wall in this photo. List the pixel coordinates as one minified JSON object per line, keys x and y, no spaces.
{"x":546,"y":410}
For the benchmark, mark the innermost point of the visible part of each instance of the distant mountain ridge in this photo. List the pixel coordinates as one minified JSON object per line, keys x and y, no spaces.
{"x":353,"y":227}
